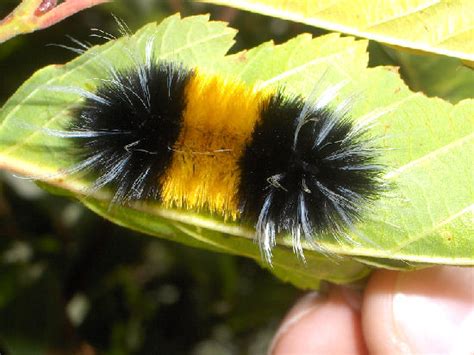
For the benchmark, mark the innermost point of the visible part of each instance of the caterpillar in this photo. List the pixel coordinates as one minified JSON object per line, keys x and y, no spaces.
{"x":159,"y":131}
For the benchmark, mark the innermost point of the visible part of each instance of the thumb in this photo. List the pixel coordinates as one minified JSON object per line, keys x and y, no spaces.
{"x":428,"y":311}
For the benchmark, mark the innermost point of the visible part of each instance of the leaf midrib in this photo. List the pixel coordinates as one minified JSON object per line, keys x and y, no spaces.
{"x":334,"y":26}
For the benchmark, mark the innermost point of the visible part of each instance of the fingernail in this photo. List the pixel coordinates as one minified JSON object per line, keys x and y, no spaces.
{"x":441,"y":320}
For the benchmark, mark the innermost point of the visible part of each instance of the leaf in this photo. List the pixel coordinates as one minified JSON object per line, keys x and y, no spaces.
{"x":429,"y":142}
{"x":444,"y":27}
{"x":437,"y":76}
{"x":201,"y":232}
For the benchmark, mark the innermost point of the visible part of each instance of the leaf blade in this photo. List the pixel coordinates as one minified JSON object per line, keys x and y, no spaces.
{"x":432,"y":26}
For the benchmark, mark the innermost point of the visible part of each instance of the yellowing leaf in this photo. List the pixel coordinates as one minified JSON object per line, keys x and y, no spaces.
{"x":437,"y":26}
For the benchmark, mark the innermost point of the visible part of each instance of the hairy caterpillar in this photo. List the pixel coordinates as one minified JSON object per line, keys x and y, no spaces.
{"x":157,"y":130}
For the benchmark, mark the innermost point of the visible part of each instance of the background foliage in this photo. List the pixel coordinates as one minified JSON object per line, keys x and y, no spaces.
{"x":72,"y":281}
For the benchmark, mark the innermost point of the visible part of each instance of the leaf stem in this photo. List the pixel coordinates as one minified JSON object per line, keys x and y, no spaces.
{"x":32,"y":15}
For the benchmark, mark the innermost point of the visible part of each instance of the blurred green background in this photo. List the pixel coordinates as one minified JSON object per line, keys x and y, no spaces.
{"x":71,"y":282}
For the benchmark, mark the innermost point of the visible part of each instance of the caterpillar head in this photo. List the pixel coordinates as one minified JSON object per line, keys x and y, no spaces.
{"x":308,"y":170}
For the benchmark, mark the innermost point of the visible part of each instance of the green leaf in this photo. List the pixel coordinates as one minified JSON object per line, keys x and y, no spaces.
{"x":437,"y":76}
{"x":444,"y":27}
{"x":424,"y":218}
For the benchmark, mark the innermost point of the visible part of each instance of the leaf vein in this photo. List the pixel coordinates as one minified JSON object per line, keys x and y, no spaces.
{"x":438,"y":225}
{"x":409,"y":11}
{"x":414,"y":163}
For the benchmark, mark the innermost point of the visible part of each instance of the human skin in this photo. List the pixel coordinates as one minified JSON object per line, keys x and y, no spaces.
{"x":429,"y":311}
